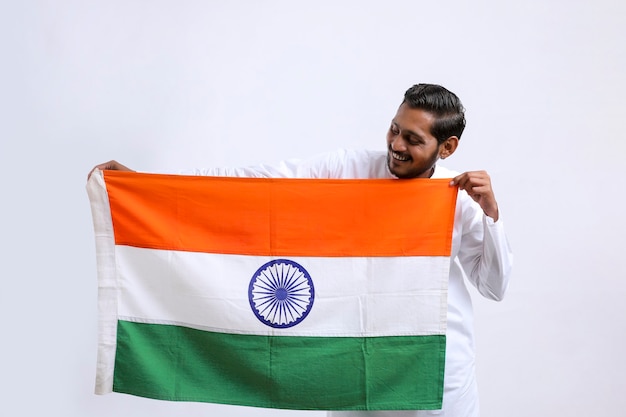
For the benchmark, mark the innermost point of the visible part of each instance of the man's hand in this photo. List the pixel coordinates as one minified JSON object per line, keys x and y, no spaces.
{"x":111,"y":165}
{"x":478,"y":186}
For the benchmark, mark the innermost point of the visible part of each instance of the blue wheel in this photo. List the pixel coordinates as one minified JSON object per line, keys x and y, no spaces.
{"x":281,"y":293}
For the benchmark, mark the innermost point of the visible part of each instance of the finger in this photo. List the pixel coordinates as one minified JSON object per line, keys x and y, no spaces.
{"x":109,"y":165}
{"x":479,"y":181}
{"x":458,"y":179}
{"x":466,"y":184}
{"x":462,"y":180}
{"x":481,"y":189}
{"x":104,"y":166}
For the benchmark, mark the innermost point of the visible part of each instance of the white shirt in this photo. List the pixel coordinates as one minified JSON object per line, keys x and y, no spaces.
{"x":480,"y":255}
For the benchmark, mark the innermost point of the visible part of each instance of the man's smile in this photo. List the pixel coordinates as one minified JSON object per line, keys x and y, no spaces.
{"x":398,"y":157}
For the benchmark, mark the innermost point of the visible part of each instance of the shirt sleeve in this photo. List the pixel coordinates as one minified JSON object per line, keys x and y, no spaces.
{"x":485,"y":254}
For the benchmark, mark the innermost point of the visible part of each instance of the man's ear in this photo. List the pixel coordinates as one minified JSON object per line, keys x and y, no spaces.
{"x":448,"y":147}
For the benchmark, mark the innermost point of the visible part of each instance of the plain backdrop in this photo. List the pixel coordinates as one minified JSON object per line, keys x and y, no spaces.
{"x":169,"y":85}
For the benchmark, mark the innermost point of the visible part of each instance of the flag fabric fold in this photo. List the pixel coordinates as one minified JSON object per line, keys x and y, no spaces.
{"x":282,"y":293}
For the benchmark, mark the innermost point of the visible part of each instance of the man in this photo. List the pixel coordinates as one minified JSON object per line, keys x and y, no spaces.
{"x":426,"y":128}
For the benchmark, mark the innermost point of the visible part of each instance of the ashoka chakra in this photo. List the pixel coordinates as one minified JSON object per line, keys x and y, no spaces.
{"x":281,"y":293}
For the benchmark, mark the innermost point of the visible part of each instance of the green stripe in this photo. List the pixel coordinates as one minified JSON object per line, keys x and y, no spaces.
{"x":310,"y":373}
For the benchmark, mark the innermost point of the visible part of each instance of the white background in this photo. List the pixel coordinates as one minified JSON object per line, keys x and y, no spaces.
{"x":165,"y":85}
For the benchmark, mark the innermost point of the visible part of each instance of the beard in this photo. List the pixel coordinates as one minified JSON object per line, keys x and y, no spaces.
{"x":411,"y":169}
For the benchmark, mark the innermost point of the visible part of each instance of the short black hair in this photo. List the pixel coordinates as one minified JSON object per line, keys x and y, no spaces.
{"x":443,"y":104}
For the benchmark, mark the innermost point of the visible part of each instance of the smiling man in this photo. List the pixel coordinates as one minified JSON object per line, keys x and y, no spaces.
{"x":426,"y":128}
{"x":413,"y":148}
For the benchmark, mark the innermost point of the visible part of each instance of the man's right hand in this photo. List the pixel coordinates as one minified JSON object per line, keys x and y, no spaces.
{"x":111,"y":165}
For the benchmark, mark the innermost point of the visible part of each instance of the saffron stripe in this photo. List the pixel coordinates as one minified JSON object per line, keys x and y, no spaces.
{"x":282,"y":217}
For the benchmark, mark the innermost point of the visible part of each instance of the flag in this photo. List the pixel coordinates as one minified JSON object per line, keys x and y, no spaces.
{"x":282,"y":293}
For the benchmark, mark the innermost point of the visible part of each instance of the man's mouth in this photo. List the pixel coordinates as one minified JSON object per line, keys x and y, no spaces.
{"x":398,"y":156}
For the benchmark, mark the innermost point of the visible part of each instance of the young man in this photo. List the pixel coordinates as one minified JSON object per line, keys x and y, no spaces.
{"x":426,"y":128}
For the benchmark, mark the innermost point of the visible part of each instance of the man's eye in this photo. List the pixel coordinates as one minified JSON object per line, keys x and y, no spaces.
{"x":394,"y":130}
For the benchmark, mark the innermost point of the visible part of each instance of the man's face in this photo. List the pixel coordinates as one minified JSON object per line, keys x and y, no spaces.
{"x":411,"y":149}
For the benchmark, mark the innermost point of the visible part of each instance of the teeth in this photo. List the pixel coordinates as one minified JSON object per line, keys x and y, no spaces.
{"x":399,"y":157}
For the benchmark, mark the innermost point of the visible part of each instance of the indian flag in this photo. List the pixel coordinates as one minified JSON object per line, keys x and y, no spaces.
{"x":282,"y":293}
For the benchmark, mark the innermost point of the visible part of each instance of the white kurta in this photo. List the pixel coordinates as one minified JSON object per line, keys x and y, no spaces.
{"x":480,"y":254}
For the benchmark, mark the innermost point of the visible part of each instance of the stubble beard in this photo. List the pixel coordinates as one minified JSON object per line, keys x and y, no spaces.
{"x":430,"y":168}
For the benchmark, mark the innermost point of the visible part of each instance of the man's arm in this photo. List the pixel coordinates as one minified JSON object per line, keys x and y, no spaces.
{"x":484,"y":254}
{"x":327,"y":165}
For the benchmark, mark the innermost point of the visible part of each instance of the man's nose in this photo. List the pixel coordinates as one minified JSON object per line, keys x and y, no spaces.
{"x":398,"y":144}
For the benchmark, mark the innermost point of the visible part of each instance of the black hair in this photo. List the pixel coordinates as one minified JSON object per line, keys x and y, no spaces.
{"x":443,"y":104}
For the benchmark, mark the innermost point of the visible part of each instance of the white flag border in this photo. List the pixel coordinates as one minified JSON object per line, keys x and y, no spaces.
{"x":107,"y":282}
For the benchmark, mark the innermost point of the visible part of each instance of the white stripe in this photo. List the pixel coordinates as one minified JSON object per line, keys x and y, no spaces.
{"x":377,"y":296}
